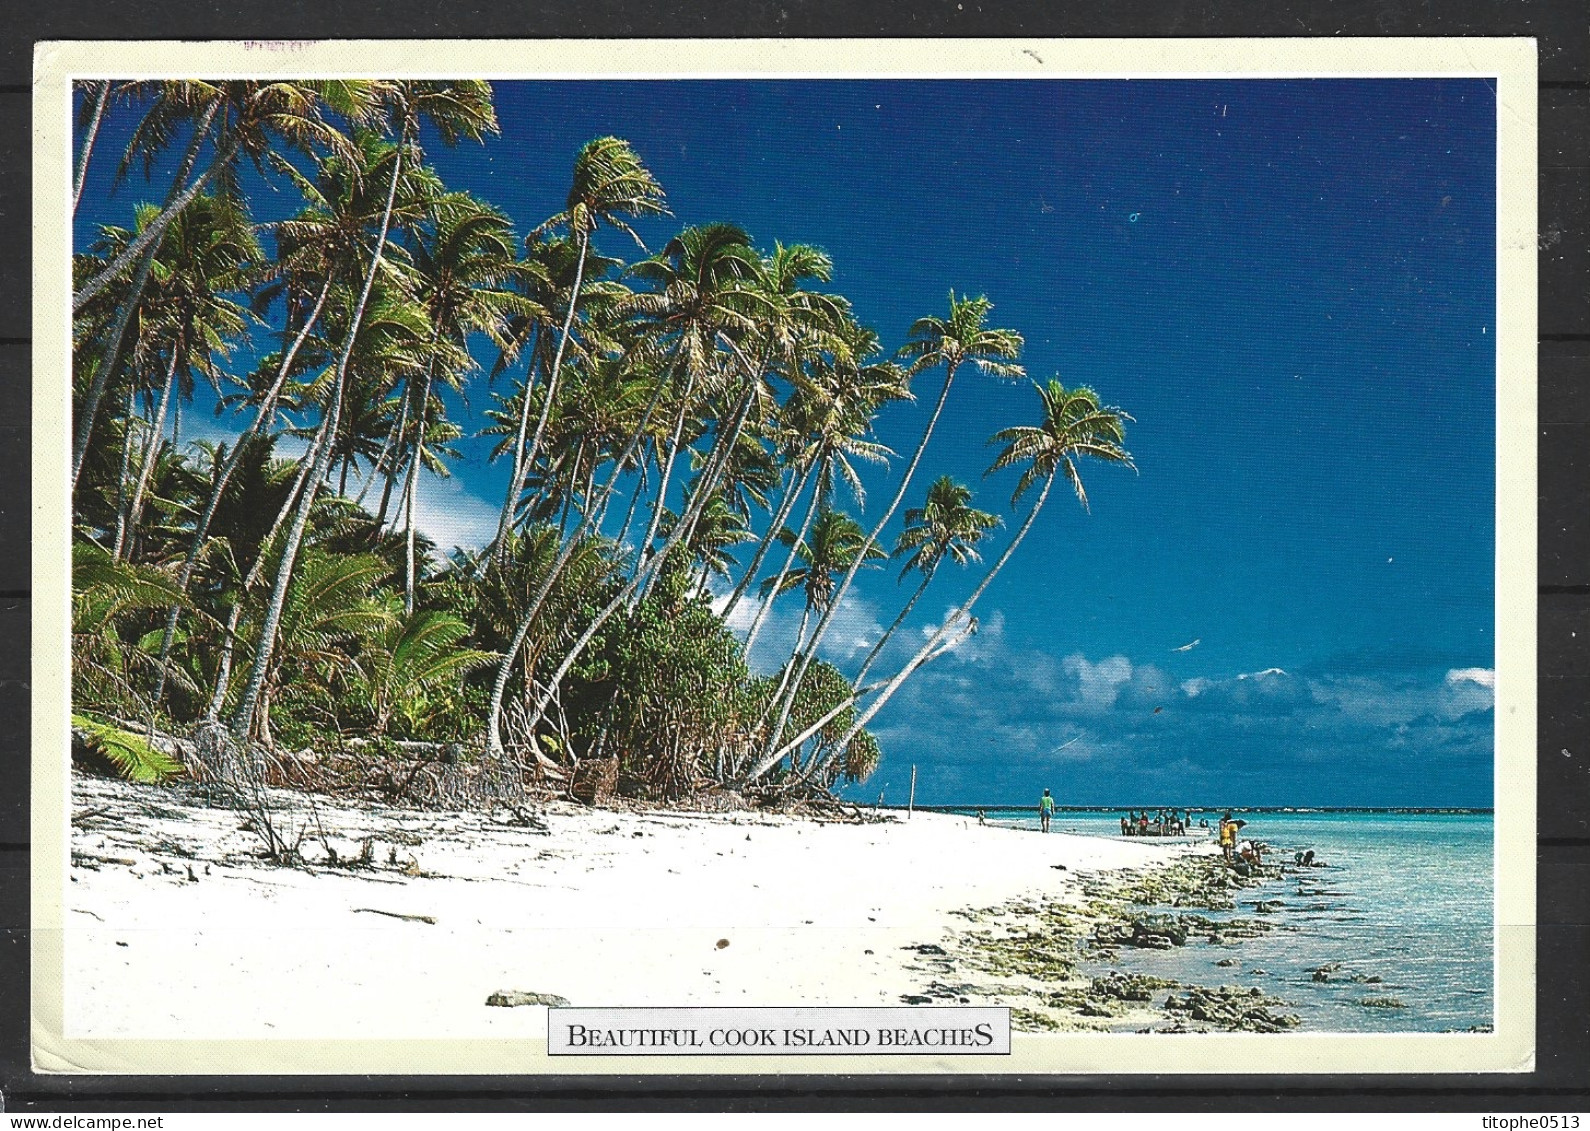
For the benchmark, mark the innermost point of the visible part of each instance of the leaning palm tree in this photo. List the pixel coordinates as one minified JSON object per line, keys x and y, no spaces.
{"x":1074,"y":426}
{"x":455,"y":109}
{"x":699,"y":279}
{"x":610,"y":183}
{"x":830,"y":414}
{"x":236,"y":118}
{"x":946,"y":526}
{"x":962,"y":338}
{"x":460,"y":264}
{"x":837,"y":545}
{"x":204,"y":256}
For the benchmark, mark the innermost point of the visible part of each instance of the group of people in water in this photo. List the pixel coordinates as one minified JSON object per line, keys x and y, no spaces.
{"x":1166,"y":822}
{"x":1242,"y":855}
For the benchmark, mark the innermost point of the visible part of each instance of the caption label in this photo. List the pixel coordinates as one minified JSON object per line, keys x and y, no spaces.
{"x":791,"y":1031}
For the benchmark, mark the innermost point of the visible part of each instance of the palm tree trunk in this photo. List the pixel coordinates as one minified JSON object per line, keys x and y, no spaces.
{"x":243,"y":718}
{"x":172,"y":209}
{"x":412,"y":488}
{"x":866,"y":665}
{"x":390,"y":458}
{"x":634,"y":502}
{"x":718,"y":459}
{"x":778,"y":581}
{"x":557,"y":358}
{"x":157,"y":434}
{"x":872,"y":537}
{"x":126,"y":470}
{"x":88,"y":145}
{"x":786,"y":504}
{"x":223,"y":670}
{"x":500,"y":684}
{"x":961,"y":615}
{"x":288,"y":508}
{"x":665,"y":475}
{"x":110,"y":359}
{"x":516,"y":477}
{"x":261,"y":423}
{"x":789,"y":667}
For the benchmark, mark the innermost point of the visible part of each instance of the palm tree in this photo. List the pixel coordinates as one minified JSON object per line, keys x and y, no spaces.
{"x":246,"y":118}
{"x":961,"y":338}
{"x":95,"y":94}
{"x":837,"y":545}
{"x":249,"y":118}
{"x":830,"y":412}
{"x":698,"y":279}
{"x":411,"y":655}
{"x":330,"y":605}
{"x":768,"y":309}
{"x":455,"y":109}
{"x":946,"y":526}
{"x":460,"y":264}
{"x":610,"y":182}
{"x":205,"y":254}
{"x":1074,"y":426}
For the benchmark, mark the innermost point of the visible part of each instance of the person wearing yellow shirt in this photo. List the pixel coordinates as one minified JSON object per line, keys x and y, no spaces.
{"x":1228,"y":838}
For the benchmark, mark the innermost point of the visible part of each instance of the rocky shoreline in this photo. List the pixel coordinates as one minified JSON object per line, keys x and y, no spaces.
{"x":1063,"y":963}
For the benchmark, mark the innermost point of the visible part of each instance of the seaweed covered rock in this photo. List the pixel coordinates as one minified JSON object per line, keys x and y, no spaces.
{"x":1233,"y":1008}
{"x":1129,"y":987}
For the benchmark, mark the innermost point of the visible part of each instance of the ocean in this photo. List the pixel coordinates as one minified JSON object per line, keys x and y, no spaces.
{"x":1404,"y":907}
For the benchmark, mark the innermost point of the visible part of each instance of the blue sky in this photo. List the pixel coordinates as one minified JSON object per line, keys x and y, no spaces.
{"x":1289,"y":285}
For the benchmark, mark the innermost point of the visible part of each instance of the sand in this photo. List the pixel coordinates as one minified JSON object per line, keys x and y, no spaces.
{"x":176,"y":928}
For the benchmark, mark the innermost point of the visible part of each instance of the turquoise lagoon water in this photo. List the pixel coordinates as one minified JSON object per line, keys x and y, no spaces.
{"x":1405,"y":897}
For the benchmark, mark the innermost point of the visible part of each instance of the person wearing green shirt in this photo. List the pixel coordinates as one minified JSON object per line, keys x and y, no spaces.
{"x":1045,"y":810}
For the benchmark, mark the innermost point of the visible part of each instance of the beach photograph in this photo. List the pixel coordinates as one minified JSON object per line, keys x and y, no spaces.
{"x":766,"y":541}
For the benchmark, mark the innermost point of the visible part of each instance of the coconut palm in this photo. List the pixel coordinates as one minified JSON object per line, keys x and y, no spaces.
{"x":1074,"y":426}
{"x":237,"y":118}
{"x":205,"y":254}
{"x":698,"y":278}
{"x":829,"y":416}
{"x":459,"y":109}
{"x":945,"y":527}
{"x":91,"y":113}
{"x":460,"y":264}
{"x":610,"y":182}
{"x":961,"y":338}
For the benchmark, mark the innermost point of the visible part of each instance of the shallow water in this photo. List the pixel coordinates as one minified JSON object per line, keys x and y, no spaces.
{"x":1405,"y":897}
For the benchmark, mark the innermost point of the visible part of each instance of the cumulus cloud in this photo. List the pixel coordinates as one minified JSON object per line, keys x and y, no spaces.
{"x":854,"y":630}
{"x":1485,"y":677}
{"x":1098,"y":684}
{"x":1000,"y":714}
{"x":450,"y":515}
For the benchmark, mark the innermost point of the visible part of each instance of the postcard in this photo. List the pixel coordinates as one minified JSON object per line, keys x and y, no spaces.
{"x":784,"y":556}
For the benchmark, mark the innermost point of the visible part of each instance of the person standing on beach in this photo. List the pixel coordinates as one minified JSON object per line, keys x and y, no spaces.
{"x":1045,"y":810}
{"x":1228,"y":838}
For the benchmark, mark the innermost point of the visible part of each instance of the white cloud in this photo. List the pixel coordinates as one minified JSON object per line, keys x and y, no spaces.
{"x":449,"y":515}
{"x":1098,"y":684}
{"x":1485,"y":677}
{"x":855,"y":628}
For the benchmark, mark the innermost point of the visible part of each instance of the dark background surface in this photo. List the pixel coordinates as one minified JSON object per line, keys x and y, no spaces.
{"x":1562,"y":27}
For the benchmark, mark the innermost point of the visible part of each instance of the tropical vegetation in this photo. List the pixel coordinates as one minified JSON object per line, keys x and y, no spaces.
{"x":683,"y":432}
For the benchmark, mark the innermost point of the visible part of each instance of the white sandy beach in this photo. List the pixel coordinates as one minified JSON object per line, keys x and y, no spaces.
{"x":605,"y":908}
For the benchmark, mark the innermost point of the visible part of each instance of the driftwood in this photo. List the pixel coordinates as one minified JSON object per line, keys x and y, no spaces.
{"x":431,"y":919}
